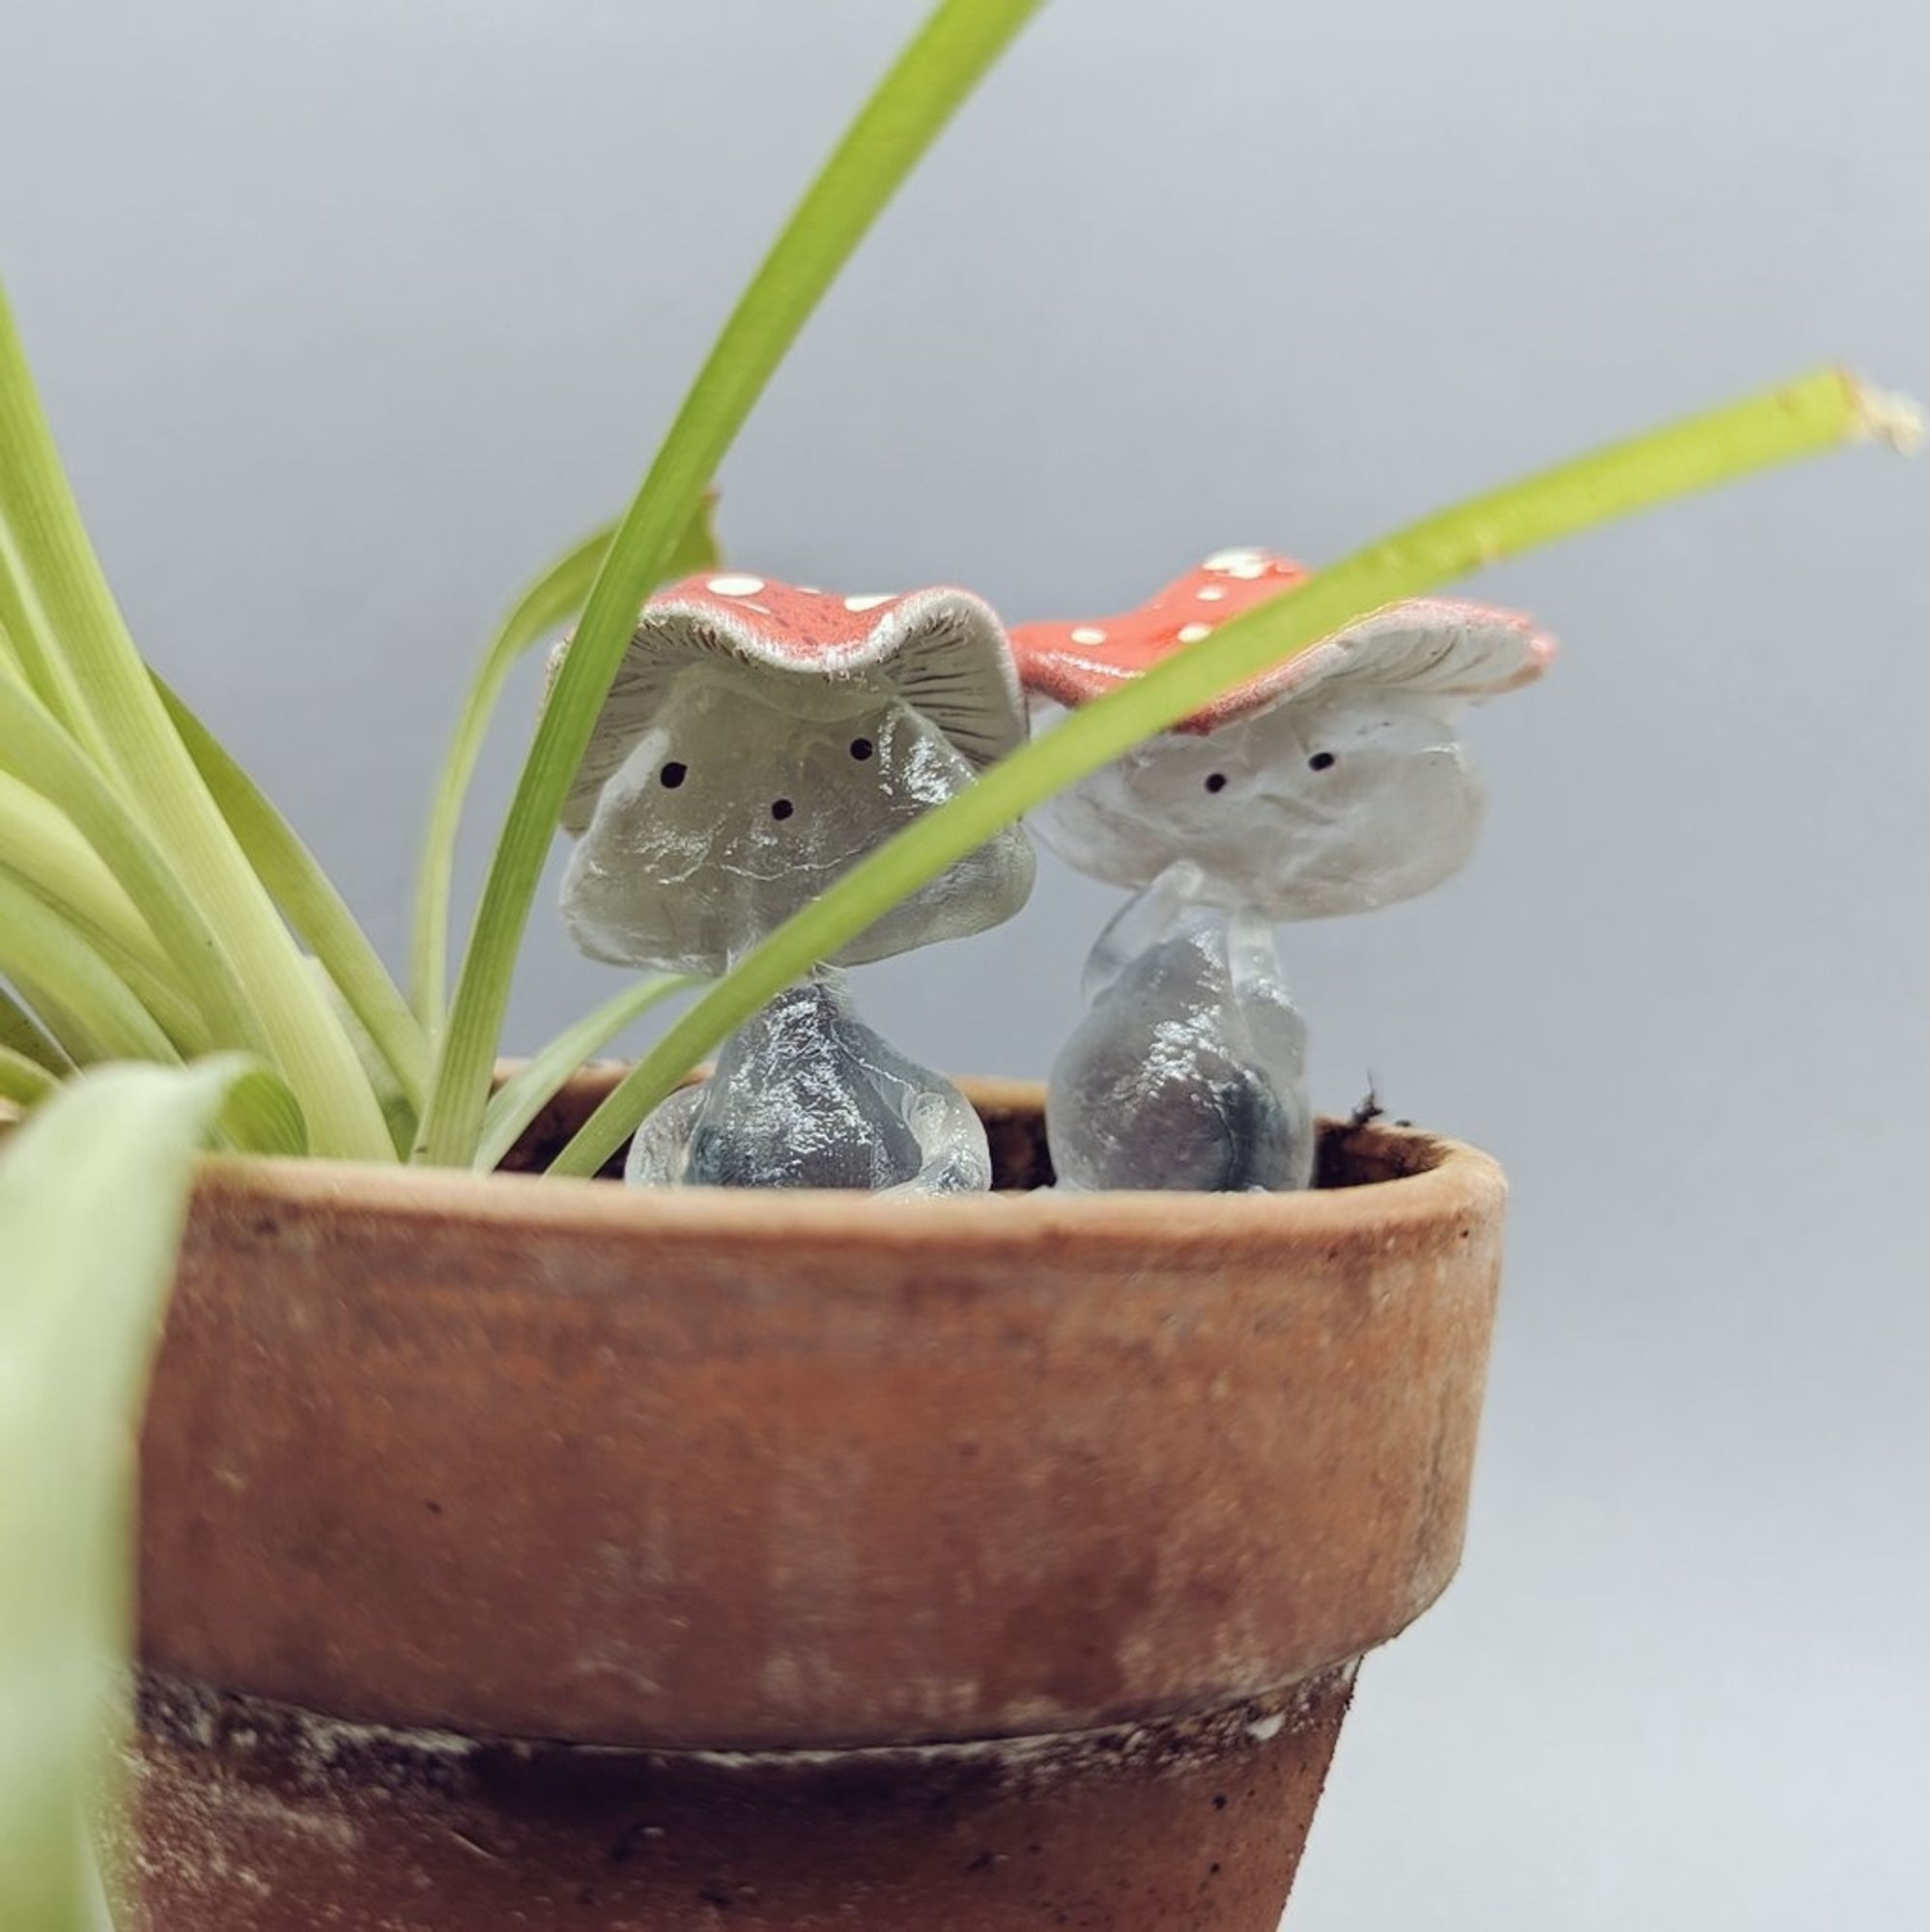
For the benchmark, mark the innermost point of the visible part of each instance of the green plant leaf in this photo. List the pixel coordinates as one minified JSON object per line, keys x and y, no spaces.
{"x":945,"y":61}
{"x":259,"y":1114}
{"x":1799,"y":419}
{"x":93,"y":1193}
{"x":37,"y":751}
{"x":33,"y":650}
{"x":397,"y":1108}
{"x":537,"y":1082}
{"x":311,"y":904}
{"x":65,"y":627}
{"x":545,"y":607}
{"x":40,"y":847}
{"x":23,"y":1034}
{"x":86,"y":1004}
{"x":24,"y":1082}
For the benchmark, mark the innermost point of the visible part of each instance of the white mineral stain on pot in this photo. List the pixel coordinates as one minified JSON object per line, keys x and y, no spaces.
{"x":1168,"y":1748}
{"x":630,"y":1669}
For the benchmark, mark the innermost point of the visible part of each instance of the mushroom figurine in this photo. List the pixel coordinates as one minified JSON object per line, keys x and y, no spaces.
{"x":757,"y":740}
{"x":1334,"y":782}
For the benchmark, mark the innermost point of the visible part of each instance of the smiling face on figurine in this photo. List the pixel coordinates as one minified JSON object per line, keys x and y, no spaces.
{"x":1335,"y":784}
{"x":759,"y":741}
{"x":1300,"y":811}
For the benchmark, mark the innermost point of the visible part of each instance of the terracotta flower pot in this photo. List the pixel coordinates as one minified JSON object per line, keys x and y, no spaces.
{"x":544,"y":1555}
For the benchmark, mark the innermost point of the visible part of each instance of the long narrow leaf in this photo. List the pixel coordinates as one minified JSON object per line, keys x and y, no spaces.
{"x":24,"y":1082}
{"x":33,"y":647}
{"x":40,"y":846}
{"x":93,"y":1195}
{"x":903,"y":117}
{"x":309,"y":901}
{"x":259,"y":1115}
{"x":1802,"y":418}
{"x":397,"y":1108}
{"x":23,"y":1034}
{"x":52,"y":588}
{"x":537,"y":1082}
{"x":38,"y":752}
{"x":87,"y":1005}
{"x":544,"y":609}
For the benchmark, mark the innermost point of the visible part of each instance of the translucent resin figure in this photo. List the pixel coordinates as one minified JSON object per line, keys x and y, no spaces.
{"x":1334,"y":783}
{"x":758,"y":741}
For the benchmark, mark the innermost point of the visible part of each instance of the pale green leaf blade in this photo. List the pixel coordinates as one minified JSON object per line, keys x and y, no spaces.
{"x":41,"y":846}
{"x":33,"y":651}
{"x":930,"y":80}
{"x":537,"y":1082}
{"x":52,"y":590}
{"x":23,"y":1082}
{"x":544,"y":609}
{"x":1802,"y":419}
{"x":38,"y":752}
{"x":261,"y":1115}
{"x":23,"y":1034}
{"x":397,"y":1108}
{"x":42,"y":849}
{"x":311,"y":903}
{"x":87,"y":1006}
{"x":93,"y":1193}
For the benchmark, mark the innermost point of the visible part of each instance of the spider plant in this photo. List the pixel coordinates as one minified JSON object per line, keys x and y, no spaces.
{"x":156,"y":907}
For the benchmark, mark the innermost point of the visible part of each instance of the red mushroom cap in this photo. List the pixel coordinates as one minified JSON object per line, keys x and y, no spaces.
{"x":1425,"y":643}
{"x":942,"y":651}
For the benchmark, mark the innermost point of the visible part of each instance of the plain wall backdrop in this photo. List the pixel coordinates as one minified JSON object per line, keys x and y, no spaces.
{"x":349,"y":314}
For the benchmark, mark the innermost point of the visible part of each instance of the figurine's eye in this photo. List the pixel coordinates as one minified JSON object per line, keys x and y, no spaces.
{"x":782,"y":808}
{"x":1321,"y":762}
{"x":1216,"y":781}
{"x":673,"y":775}
{"x":861,"y":749}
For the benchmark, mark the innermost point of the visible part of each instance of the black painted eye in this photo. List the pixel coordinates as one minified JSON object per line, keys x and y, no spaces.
{"x":1216,"y":781}
{"x":861,"y":749}
{"x":782,"y":808}
{"x":1321,"y":762}
{"x":673,"y":775}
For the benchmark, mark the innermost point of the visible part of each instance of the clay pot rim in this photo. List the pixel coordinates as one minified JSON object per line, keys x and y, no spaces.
{"x":1436,"y":1179}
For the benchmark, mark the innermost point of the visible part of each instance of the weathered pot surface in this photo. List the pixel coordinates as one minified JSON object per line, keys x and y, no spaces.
{"x":518,"y":1552}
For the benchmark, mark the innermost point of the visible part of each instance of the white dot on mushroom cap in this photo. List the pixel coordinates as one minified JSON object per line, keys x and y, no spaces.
{"x":868,"y":602}
{"x":1236,"y":564}
{"x":1191,"y":633}
{"x":1212,"y":593}
{"x":734,"y":586}
{"x":1088,"y":633}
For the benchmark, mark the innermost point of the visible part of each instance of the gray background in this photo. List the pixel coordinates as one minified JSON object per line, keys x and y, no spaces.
{"x":349,"y":314}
